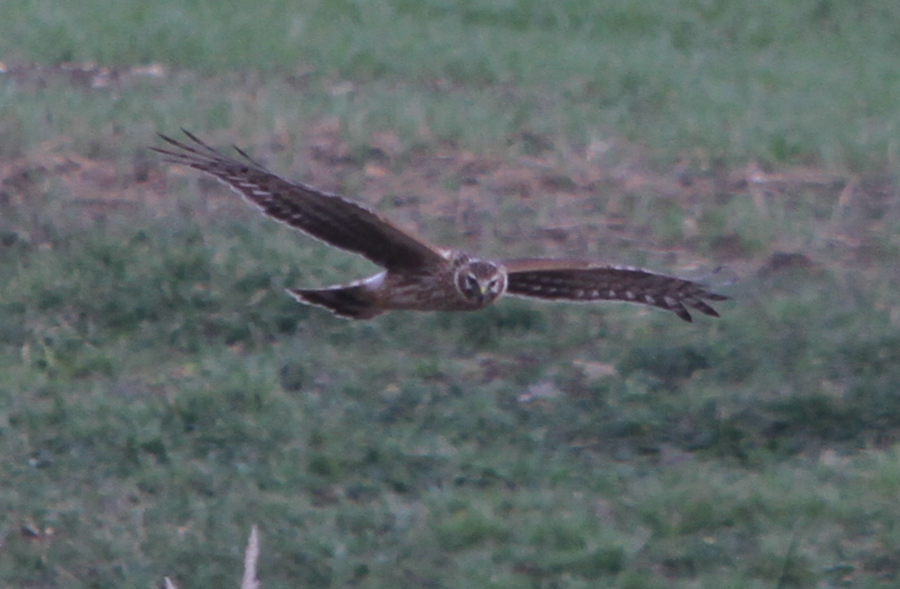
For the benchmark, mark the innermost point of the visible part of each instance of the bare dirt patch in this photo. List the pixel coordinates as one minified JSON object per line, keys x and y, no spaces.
{"x":557,"y":200}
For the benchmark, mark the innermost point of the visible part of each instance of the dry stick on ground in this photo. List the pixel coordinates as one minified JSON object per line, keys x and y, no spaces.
{"x":251,"y":556}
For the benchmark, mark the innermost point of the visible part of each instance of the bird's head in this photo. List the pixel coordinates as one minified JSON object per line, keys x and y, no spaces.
{"x":481,"y":281}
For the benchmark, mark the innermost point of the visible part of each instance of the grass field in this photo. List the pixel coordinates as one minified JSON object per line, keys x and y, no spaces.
{"x":161,"y":394}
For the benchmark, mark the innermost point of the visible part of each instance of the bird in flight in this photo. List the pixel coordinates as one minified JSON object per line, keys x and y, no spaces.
{"x":419,"y":276}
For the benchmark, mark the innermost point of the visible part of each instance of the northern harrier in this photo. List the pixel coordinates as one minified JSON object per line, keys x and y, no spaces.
{"x":419,"y":276}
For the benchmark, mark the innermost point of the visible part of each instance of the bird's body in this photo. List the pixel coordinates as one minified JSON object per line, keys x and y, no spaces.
{"x":430,"y":288}
{"x":419,"y":276}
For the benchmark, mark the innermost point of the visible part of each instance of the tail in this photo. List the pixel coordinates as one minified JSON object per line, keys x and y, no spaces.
{"x":353,"y":302}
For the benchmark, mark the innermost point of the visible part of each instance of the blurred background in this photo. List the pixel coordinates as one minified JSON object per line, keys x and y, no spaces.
{"x":160,"y":393}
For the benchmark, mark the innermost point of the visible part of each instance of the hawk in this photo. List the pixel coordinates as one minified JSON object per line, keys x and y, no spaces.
{"x":419,"y":276}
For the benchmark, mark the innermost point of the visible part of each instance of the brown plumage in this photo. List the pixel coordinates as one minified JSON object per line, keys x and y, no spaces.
{"x":419,"y":276}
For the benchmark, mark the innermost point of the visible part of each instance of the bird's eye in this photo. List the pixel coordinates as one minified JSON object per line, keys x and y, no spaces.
{"x":468,"y":285}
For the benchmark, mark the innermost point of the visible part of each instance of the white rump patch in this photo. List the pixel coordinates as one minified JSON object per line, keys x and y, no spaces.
{"x":372,"y":282}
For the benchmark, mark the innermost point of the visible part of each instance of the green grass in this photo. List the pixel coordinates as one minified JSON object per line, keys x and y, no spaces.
{"x":161,"y":393}
{"x":810,"y":81}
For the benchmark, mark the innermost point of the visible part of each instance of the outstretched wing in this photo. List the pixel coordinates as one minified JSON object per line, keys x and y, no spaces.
{"x":584,"y":281}
{"x":329,"y":217}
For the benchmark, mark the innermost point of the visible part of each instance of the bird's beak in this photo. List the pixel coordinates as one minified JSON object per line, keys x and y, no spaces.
{"x":483,"y":288}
